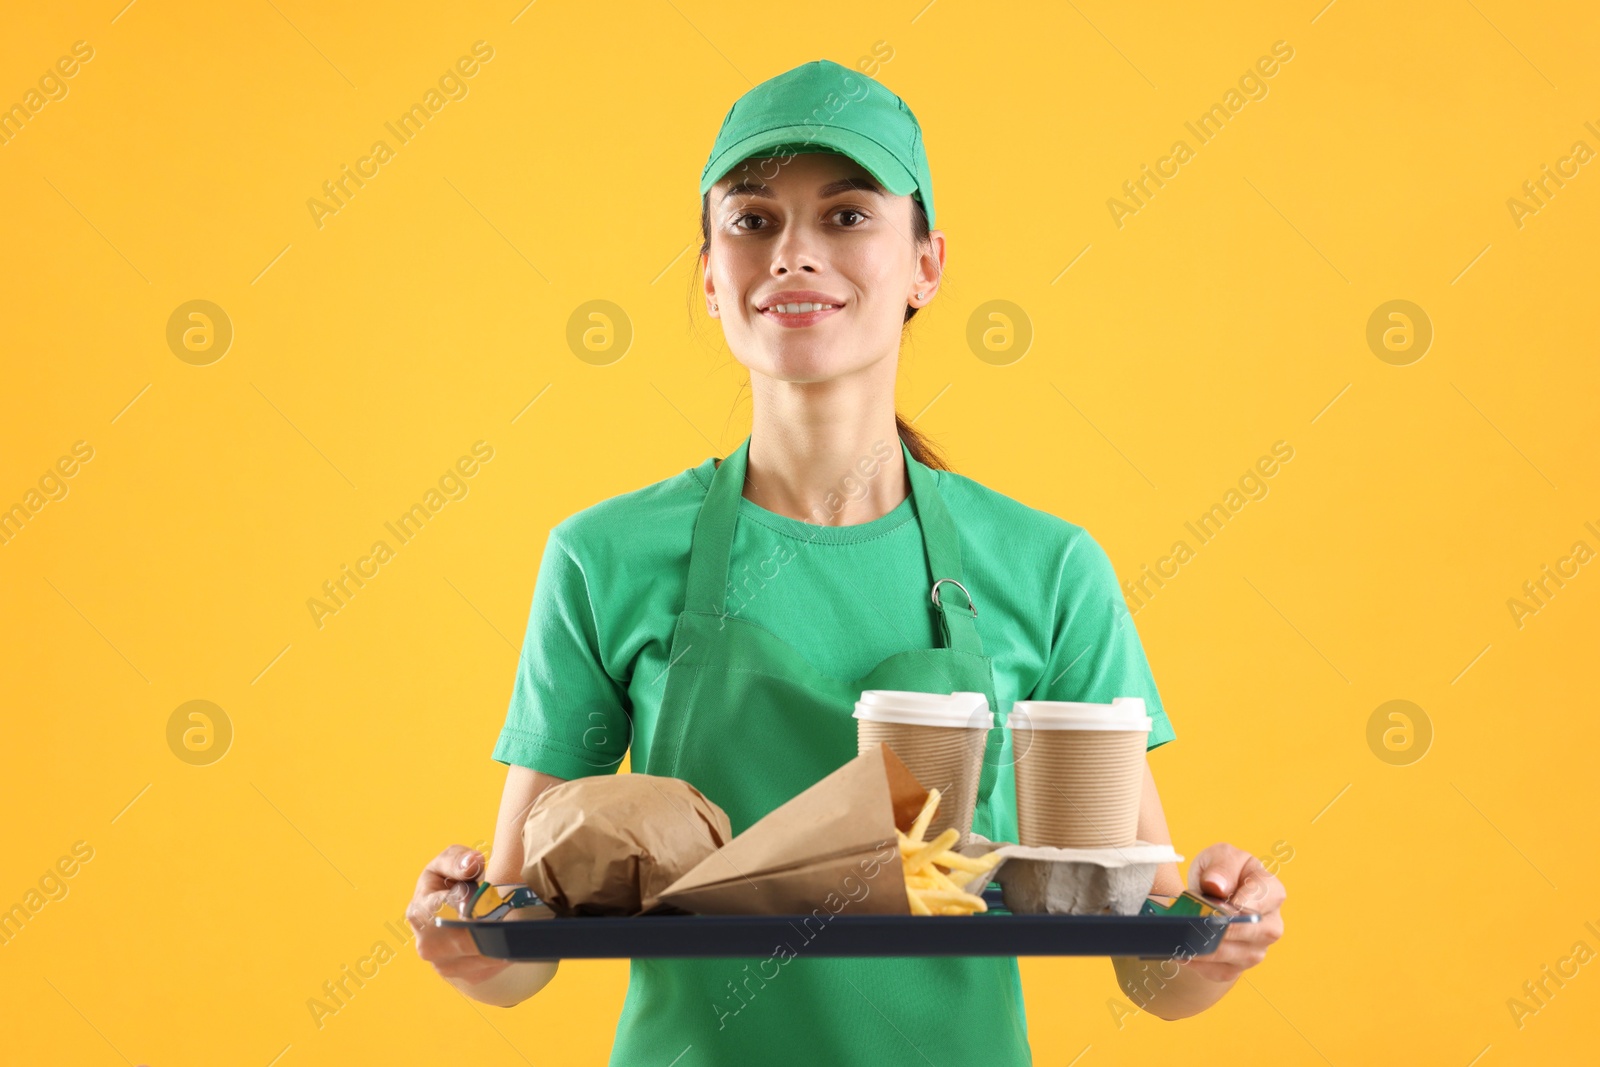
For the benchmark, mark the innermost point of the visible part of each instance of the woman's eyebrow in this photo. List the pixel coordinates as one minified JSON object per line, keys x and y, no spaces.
{"x":844,"y":185}
{"x":751,"y":187}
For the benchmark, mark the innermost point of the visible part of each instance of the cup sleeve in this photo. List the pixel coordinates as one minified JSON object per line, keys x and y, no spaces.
{"x":568,"y":716}
{"x":1095,"y":651}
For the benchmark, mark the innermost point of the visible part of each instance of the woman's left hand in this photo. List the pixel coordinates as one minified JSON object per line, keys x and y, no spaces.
{"x":1234,"y":875}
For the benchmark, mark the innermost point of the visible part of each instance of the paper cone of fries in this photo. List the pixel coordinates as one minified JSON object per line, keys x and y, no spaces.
{"x":833,"y":846}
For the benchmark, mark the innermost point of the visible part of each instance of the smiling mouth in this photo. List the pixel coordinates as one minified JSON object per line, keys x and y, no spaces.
{"x":804,"y":313}
{"x":800,"y":308}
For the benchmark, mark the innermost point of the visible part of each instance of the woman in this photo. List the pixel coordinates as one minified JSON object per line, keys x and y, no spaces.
{"x":754,"y":598}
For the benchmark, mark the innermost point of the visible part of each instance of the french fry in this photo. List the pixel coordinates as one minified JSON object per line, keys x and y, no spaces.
{"x":927,"y":865}
{"x":927,"y":852}
{"x":957,"y":862}
{"x":945,"y":896}
{"x":925,"y":816}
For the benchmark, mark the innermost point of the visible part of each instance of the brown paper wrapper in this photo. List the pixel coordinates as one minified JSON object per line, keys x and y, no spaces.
{"x":832,"y":846}
{"x":608,"y":844}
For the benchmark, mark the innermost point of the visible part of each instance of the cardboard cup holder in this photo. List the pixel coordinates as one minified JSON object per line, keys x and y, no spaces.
{"x":1037,"y":880}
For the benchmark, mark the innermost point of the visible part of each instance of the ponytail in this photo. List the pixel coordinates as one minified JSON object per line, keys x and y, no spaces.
{"x":920,"y":447}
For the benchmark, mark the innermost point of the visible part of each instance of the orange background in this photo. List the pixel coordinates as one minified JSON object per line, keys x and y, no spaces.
{"x":431,"y":312}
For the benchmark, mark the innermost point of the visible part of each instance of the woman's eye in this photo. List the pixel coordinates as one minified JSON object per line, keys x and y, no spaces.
{"x":852,"y":219}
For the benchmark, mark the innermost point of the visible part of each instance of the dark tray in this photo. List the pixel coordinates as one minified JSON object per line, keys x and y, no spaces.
{"x":1186,"y":925}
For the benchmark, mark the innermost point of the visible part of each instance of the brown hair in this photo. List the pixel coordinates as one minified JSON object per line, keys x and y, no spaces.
{"x":920,"y":446}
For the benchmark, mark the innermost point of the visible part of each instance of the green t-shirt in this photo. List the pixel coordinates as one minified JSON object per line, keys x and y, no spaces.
{"x":612,"y":583}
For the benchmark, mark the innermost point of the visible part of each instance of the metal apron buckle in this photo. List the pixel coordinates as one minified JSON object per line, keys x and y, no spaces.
{"x":959,"y":586}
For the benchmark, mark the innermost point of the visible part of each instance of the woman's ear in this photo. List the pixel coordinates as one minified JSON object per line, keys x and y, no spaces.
{"x":712,"y":307}
{"x":930,"y":267}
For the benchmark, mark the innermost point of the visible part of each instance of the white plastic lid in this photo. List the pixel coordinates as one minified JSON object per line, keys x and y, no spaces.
{"x":968,"y":710}
{"x":1123,"y":713}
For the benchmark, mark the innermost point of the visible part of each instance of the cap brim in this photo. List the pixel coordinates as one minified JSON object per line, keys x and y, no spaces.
{"x":864,"y":150}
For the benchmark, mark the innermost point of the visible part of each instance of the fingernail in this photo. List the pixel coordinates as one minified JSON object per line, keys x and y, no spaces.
{"x":466,"y":862}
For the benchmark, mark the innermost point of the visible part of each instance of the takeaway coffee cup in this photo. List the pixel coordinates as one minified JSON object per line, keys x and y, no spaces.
{"x":1079,"y":770}
{"x":940,"y":737}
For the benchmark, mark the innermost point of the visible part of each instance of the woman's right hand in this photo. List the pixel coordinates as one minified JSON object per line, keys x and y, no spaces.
{"x":450,"y":877}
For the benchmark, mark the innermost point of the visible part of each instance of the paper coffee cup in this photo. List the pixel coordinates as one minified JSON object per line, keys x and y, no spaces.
{"x":1079,"y":771}
{"x":940,"y":737}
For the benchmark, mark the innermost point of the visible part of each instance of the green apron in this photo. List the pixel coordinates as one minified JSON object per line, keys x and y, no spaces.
{"x":751,"y":724}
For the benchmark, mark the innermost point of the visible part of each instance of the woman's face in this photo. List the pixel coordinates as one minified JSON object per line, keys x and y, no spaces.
{"x":813,"y":229}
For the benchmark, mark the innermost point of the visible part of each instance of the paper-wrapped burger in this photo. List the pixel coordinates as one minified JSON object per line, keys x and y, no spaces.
{"x":609,"y":844}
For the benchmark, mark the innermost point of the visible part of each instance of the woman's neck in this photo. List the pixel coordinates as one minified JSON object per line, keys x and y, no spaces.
{"x":826,"y":453}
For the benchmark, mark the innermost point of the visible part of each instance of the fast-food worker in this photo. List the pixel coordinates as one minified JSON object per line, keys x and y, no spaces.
{"x":720,"y":624}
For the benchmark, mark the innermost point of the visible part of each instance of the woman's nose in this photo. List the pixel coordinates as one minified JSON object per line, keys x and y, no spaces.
{"x":795,"y":250}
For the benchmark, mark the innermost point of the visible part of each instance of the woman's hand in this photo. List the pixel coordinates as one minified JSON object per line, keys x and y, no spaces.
{"x":450,"y":877}
{"x":1239,"y":878}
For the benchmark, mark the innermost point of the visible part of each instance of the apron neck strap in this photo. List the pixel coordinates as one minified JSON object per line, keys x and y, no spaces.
{"x":712,"y":549}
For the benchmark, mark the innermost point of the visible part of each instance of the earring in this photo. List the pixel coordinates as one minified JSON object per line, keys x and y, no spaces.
{"x":919,"y":296}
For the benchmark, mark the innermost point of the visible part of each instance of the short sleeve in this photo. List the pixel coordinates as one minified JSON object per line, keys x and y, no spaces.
{"x":1095,"y":651}
{"x":568,"y":717}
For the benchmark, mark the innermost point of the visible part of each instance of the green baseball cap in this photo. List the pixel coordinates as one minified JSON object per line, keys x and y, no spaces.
{"x":821,"y":106}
